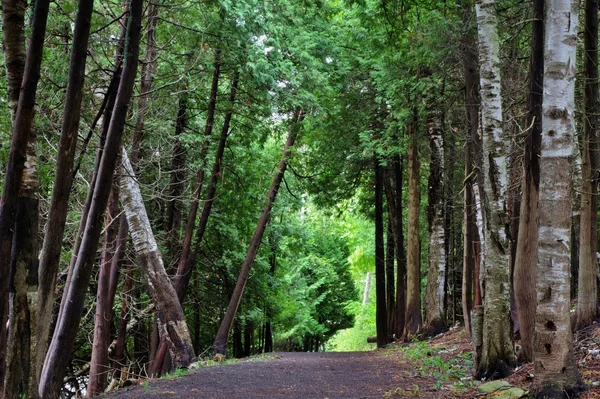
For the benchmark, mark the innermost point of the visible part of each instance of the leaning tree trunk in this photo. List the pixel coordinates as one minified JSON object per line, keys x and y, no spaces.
{"x":497,"y":355}
{"x":413,"y":277}
{"x":380,"y":306}
{"x":171,"y":319}
{"x":435,"y":311}
{"x":588,"y":265}
{"x":16,"y":162}
{"x":220,"y":344}
{"x":63,"y":181}
{"x":184,"y":271}
{"x":527,"y":241}
{"x":186,"y":246}
{"x":57,"y":357}
{"x":556,"y":374}
{"x":99,"y":370}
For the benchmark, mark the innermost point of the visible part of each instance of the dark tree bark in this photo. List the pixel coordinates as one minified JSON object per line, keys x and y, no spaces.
{"x":119,"y":356}
{"x":268,"y":335}
{"x":400,"y":252}
{"x":220,"y":344}
{"x":527,"y":241}
{"x":57,"y":357}
{"x":23,"y":276}
{"x":24,"y":258}
{"x":14,"y":169}
{"x":380,"y":308}
{"x":238,"y":346}
{"x":98,"y":377}
{"x":470,"y":280}
{"x":435,"y":310}
{"x":63,"y":181}
{"x":389,"y":276}
{"x":413,"y":280}
{"x":588,"y":265}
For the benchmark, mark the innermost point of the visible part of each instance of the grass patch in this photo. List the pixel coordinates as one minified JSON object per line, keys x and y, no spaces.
{"x":453,"y":370}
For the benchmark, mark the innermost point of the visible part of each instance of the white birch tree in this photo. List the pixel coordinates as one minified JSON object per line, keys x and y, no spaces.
{"x":497,"y":353}
{"x":556,"y":374}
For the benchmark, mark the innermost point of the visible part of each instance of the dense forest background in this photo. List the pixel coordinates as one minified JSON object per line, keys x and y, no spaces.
{"x":238,"y":177}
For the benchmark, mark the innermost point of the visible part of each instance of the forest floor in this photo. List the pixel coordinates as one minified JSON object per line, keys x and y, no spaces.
{"x":436,"y":368}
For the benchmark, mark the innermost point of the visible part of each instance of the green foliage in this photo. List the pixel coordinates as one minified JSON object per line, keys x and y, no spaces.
{"x":427,"y":361}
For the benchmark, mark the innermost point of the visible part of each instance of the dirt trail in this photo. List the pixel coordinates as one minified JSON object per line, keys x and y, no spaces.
{"x":288,"y":375}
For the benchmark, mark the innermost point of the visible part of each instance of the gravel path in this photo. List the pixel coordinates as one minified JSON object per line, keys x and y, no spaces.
{"x":287,"y":375}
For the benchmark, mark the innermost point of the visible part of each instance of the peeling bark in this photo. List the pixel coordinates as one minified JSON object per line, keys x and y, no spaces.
{"x":556,"y":374}
{"x":171,"y":320}
{"x":497,"y":357}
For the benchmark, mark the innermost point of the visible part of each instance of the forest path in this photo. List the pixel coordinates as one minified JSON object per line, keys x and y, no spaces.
{"x":291,"y":375}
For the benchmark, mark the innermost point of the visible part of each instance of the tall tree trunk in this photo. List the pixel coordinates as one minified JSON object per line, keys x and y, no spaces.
{"x":556,"y":374}
{"x":413,"y":277}
{"x":588,"y":265}
{"x":435,"y":310}
{"x":220,"y":344}
{"x":269,"y":311}
{"x":380,"y":308}
{"x":527,"y":242}
{"x":57,"y":357}
{"x":389,"y":275}
{"x":471,"y":236}
{"x":400,"y":253}
{"x":23,"y":280}
{"x":16,"y":162}
{"x":63,"y":181}
{"x":171,"y":320}
{"x":24,"y":263}
{"x":98,"y":376}
{"x":497,"y":352}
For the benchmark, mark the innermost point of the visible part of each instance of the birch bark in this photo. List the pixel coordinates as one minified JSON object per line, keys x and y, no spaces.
{"x":170,"y":317}
{"x":497,"y":355}
{"x":556,"y":373}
